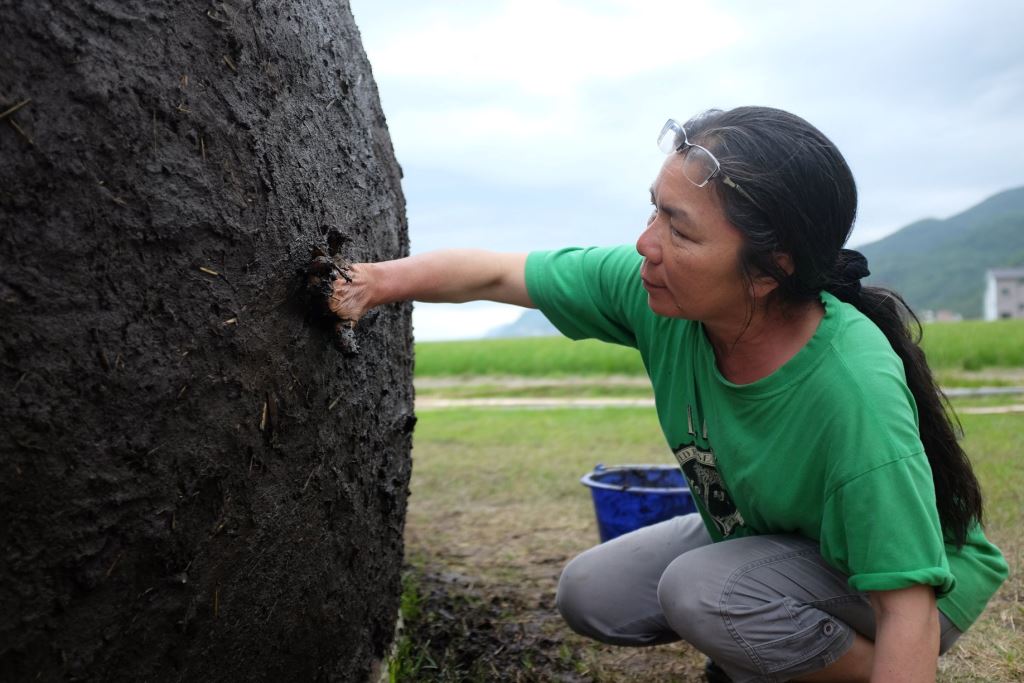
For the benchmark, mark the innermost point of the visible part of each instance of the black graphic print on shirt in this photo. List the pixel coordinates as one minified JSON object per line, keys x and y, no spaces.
{"x":701,"y":470}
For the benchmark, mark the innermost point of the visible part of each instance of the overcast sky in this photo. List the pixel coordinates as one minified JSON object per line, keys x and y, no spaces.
{"x":531,"y":124}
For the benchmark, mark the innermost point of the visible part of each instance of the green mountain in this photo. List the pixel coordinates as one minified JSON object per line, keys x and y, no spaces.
{"x":941,"y":264}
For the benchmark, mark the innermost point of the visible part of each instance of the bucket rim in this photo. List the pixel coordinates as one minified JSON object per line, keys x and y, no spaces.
{"x":588,"y":481}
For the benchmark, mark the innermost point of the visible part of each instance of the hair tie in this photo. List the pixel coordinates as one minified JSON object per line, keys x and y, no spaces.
{"x":850,"y":267}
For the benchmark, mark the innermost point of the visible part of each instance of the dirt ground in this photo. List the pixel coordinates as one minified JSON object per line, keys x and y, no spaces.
{"x":473,"y":631}
{"x":486,"y":610}
{"x":487,"y":607}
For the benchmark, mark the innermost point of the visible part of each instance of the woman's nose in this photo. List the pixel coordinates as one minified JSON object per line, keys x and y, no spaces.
{"x":647,"y":243}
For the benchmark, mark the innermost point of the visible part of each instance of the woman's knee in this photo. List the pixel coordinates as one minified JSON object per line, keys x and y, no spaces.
{"x":586,"y":596}
{"x":610,"y":592}
{"x":572,"y":597}
{"x":599,"y":600}
{"x":689,"y":594}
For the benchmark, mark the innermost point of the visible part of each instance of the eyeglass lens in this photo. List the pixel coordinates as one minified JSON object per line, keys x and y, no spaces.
{"x":699,"y":166}
{"x":672,"y":137}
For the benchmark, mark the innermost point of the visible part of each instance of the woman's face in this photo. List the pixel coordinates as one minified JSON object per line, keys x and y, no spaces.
{"x":691,"y":252}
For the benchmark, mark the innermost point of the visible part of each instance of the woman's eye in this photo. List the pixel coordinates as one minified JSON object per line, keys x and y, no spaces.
{"x":676,"y":233}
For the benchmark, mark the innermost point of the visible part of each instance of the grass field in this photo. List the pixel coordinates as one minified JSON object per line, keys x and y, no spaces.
{"x":951,"y":347}
{"x":497,"y":508}
{"x":496,"y":498}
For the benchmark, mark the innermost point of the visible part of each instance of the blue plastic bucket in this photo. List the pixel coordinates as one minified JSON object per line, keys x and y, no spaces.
{"x":629,"y":497}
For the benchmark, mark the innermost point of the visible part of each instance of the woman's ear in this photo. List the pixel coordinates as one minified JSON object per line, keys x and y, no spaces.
{"x":762,"y":285}
{"x":785,"y":262}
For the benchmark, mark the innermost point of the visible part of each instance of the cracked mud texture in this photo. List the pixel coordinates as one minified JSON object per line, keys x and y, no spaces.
{"x":195,"y":484}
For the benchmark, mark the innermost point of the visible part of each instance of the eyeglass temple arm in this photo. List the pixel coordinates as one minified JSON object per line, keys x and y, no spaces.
{"x":729,"y":181}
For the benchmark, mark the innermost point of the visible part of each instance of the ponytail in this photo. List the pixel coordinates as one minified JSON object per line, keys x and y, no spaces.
{"x":957,"y":492}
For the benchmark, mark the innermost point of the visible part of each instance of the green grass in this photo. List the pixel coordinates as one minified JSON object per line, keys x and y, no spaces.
{"x":613,"y":390}
{"x":986,"y":401}
{"x":610,"y":390}
{"x":407,"y":659}
{"x":532,"y":357}
{"x":968,"y":345}
{"x":496,"y":494}
{"x":509,"y":456}
{"x":995,"y":444}
{"x":1011,"y":377}
{"x":975,"y":344}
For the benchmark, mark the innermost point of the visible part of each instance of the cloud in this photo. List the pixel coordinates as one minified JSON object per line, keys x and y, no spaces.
{"x":508,"y":91}
{"x":523,"y":124}
{"x":550,"y":47}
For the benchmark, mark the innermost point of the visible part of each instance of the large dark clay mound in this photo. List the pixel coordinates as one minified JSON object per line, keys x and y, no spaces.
{"x":195,"y":484}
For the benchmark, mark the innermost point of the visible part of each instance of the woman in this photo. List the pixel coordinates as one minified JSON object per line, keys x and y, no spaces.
{"x":839,"y":536}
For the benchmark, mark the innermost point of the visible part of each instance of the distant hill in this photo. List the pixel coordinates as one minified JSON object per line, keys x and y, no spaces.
{"x":935,"y":264}
{"x":531,"y":323}
{"x":941,"y":264}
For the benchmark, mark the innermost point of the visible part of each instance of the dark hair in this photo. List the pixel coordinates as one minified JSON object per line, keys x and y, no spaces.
{"x":799,"y":198}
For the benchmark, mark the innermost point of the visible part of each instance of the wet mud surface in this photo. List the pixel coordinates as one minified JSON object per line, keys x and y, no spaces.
{"x":465,"y":627}
{"x":195,"y":483}
{"x":464,"y":632}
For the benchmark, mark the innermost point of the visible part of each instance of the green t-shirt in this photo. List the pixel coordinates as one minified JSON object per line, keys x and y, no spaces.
{"x":827,"y":446}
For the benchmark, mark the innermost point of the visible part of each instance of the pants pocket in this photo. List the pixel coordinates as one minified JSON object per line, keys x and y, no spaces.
{"x":818,"y":640}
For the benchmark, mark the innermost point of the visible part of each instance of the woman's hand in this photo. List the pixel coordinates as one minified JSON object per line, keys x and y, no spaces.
{"x":351,"y":293}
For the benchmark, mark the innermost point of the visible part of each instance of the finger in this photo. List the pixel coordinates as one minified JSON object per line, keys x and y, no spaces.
{"x":338,"y":285}
{"x":321,"y":266}
{"x":335,"y":304}
{"x":339,"y":310}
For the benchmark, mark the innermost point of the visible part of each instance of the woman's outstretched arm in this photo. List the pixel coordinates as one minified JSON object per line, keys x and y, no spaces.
{"x":448,"y":276}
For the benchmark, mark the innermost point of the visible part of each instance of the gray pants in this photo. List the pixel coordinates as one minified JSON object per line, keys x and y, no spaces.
{"x":765,"y":608}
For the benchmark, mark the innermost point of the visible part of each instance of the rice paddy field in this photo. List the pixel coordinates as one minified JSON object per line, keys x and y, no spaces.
{"x":969,"y":346}
{"x":496,"y":506}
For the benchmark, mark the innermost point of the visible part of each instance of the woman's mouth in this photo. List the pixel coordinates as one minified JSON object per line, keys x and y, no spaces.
{"x":648,"y":285}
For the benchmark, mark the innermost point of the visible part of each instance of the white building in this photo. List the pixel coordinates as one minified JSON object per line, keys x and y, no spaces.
{"x":1004,"y":293}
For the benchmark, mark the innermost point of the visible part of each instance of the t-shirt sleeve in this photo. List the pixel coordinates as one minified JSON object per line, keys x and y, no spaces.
{"x":883,"y":530}
{"x":592,"y":293}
